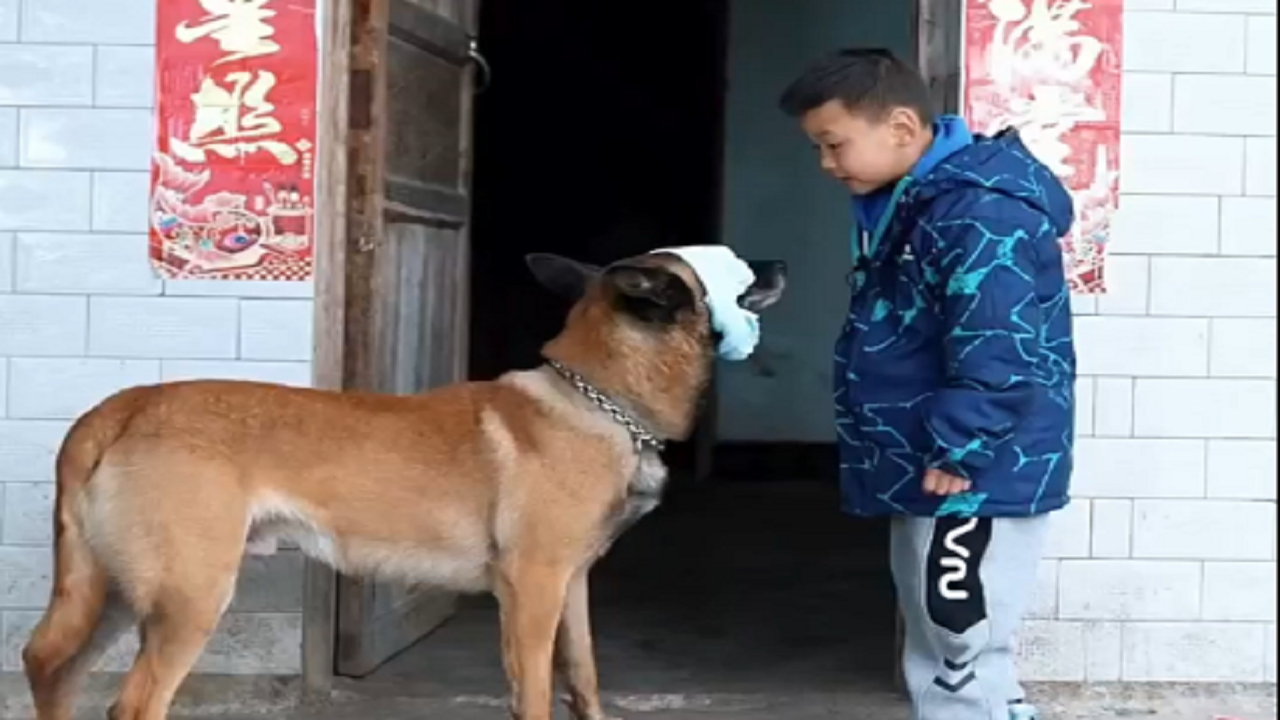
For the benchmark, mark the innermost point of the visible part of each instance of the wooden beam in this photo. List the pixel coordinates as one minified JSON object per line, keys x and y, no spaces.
{"x":939,"y":42}
{"x":319,"y":607}
{"x":364,"y":339}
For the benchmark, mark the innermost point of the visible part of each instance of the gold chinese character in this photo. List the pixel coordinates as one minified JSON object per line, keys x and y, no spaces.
{"x":239,"y":26}
{"x":234,"y":122}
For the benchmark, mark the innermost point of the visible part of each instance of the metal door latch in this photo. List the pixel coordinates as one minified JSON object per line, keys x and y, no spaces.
{"x":486,"y":73}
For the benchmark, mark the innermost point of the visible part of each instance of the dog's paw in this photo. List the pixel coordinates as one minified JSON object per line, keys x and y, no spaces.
{"x":577,"y":713}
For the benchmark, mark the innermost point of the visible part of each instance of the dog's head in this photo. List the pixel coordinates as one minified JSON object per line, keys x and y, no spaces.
{"x":642,"y":326}
{"x":656,"y":293}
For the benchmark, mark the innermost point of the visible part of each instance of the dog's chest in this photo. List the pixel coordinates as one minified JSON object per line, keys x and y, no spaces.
{"x":649,"y":477}
{"x":644,"y":492}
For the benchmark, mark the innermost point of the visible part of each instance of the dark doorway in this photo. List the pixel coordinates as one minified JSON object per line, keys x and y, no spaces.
{"x":600,"y":136}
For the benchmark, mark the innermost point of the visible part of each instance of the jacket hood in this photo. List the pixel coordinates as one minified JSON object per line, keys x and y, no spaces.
{"x":1002,"y":163}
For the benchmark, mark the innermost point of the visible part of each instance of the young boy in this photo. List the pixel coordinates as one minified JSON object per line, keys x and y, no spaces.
{"x":955,"y":369}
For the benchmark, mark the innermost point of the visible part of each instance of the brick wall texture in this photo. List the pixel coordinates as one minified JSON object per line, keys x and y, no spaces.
{"x":1164,"y":568}
{"x":82,"y":314}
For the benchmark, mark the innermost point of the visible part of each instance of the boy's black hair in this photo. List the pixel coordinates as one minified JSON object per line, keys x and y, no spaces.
{"x":871,"y":81}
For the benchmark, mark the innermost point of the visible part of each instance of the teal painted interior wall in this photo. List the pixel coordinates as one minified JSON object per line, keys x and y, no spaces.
{"x":777,"y":204}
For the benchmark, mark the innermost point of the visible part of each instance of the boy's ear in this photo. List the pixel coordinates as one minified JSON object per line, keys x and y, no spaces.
{"x":567,"y":278}
{"x":905,"y":125}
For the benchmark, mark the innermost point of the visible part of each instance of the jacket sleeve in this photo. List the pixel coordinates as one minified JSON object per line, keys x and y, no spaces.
{"x":986,"y":259}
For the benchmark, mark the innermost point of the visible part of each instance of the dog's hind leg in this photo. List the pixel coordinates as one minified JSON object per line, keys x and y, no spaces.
{"x":182,"y":617}
{"x":575,"y":653}
{"x":180,"y":594}
{"x":52,"y":690}
{"x":83,"y":619}
{"x":531,"y":600}
{"x":178,"y":619}
{"x":172,"y":639}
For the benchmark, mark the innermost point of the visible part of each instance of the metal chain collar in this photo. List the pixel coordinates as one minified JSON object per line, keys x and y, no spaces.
{"x":641,"y":437}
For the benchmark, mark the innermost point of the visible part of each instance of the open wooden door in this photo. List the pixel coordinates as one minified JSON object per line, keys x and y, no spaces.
{"x":405,"y":255}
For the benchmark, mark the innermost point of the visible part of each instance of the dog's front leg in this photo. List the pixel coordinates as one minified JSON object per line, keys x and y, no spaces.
{"x":575,"y":652}
{"x":531,"y":599}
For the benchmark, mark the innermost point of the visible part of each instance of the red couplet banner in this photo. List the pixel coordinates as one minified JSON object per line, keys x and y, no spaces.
{"x":232,"y":182}
{"x":1051,"y":69}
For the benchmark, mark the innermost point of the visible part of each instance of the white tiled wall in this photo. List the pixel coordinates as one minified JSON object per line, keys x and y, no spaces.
{"x":1164,"y":569}
{"x":81,"y":312}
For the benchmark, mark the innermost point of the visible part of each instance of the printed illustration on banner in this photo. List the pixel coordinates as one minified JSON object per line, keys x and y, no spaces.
{"x":232,"y":185}
{"x":1051,"y":69}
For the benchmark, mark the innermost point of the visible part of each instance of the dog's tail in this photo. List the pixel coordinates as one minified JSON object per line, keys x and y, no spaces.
{"x":61,"y":645}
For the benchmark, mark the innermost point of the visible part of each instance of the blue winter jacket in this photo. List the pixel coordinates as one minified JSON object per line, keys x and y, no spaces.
{"x":957,"y":351}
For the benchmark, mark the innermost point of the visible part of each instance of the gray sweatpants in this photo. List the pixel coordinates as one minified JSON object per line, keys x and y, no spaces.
{"x":964,"y":585}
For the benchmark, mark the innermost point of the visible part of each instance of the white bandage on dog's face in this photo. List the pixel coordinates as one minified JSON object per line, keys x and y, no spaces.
{"x":725,"y":277}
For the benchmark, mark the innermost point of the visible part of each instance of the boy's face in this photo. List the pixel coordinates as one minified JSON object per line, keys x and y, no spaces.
{"x":866,"y":153}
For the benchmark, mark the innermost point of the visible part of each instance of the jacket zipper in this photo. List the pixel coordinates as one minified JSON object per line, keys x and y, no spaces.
{"x":863,"y":244}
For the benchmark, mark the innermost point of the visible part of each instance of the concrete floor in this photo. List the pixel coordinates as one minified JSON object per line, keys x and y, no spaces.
{"x":750,"y":602}
{"x":808,"y":707}
{"x":744,"y":588}
{"x":742,"y":709}
{"x":747,"y":602}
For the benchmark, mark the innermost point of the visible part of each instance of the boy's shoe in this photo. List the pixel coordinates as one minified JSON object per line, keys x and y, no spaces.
{"x":1023,"y":711}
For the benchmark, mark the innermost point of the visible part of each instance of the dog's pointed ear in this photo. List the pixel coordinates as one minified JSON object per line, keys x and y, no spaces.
{"x":562,"y":276}
{"x":652,"y":294}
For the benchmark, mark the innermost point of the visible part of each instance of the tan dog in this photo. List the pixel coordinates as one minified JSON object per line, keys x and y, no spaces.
{"x":514,"y":486}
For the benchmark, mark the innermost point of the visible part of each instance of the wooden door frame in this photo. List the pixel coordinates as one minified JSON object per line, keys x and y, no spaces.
{"x":939,"y":50}
{"x":333,"y":362}
{"x":320,"y":582}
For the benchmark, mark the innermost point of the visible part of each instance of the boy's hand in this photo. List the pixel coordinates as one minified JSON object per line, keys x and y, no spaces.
{"x":937,"y":482}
